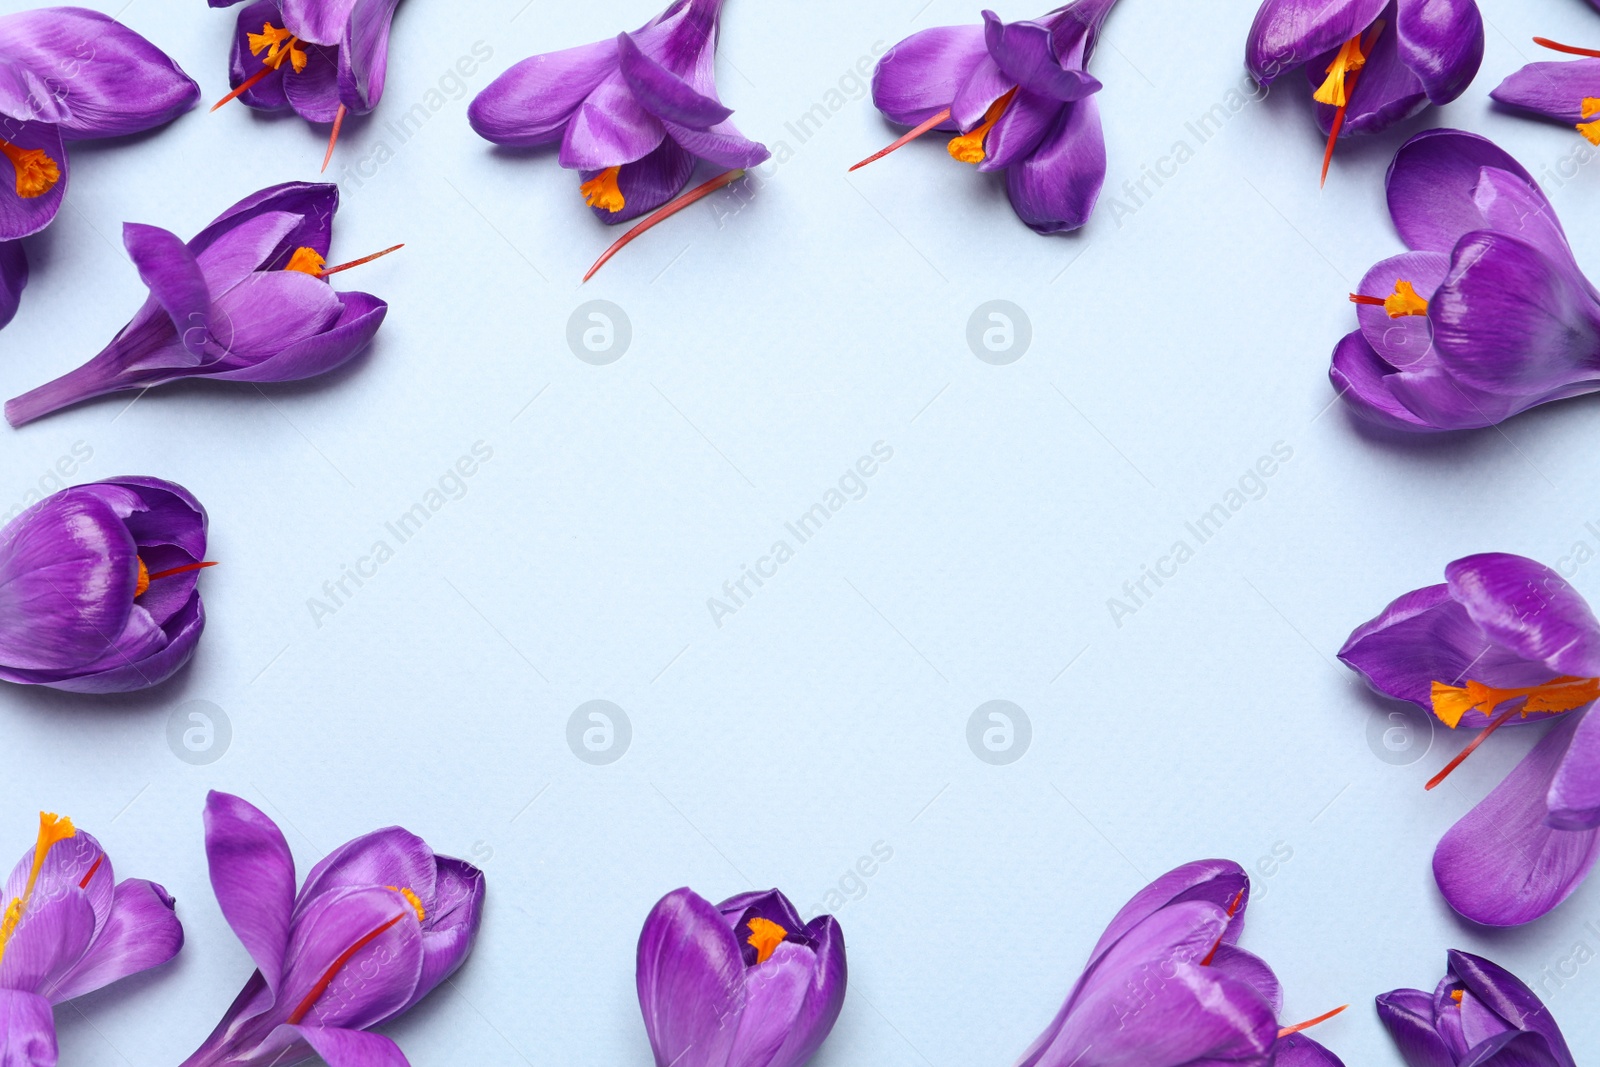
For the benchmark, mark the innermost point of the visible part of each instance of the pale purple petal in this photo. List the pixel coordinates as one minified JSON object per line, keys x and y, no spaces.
{"x":352,"y":1048}
{"x":1513,"y":1003}
{"x":347,"y":334}
{"x":1433,"y":183}
{"x":53,"y":935}
{"x":374,"y":984}
{"x":1405,"y":341}
{"x":1298,"y":1050}
{"x":1529,"y":608}
{"x":391,"y":856}
{"x":1441,"y":41}
{"x":1555,"y":90}
{"x":171,"y":272}
{"x":27,"y":1030}
{"x":455,"y":912}
{"x":318,"y":21}
{"x":141,"y":932}
{"x":1574,"y":798}
{"x":722,"y":145}
{"x":364,"y":55}
{"x":609,"y":128}
{"x":314,"y":92}
{"x":920,"y":76}
{"x":690,"y":978}
{"x":664,"y":94}
{"x":531,"y":103}
{"x":1366,"y":381}
{"x":252,"y":873}
{"x":1026,"y":52}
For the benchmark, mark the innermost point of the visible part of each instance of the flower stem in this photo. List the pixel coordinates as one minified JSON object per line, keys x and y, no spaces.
{"x":662,"y":214}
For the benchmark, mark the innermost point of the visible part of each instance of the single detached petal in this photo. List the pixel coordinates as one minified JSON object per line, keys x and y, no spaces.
{"x":1555,"y":90}
{"x":1287,"y":34}
{"x":920,"y":76}
{"x":27,"y":1030}
{"x":364,"y":54}
{"x":88,"y":74}
{"x":1441,"y":42}
{"x":1529,"y":608}
{"x":13,"y":279}
{"x":690,"y":977}
{"x":21,"y":215}
{"x":1501,"y":865}
{"x":1574,"y":799}
{"x":351,"y":1048}
{"x":1408,"y":1016}
{"x":1432,"y":186}
{"x":531,"y":103}
{"x":142,"y":932}
{"x":1026,"y":52}
{"x":1057,"y":186}
{"x":252,"y":873}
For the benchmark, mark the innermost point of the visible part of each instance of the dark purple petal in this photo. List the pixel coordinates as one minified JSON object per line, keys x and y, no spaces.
{"x":722,"y":145}
{"x":1501,"y":865}
{"x":920,"y":76}
{"x":1027,"y":120}
{"x":1026,"y":52}
{"x":768,"y":904}
{"x":252,"y":873}
{"x":13,"y":279}
{"x":388,"y":857}
{"x":531,"y":103}
{"x":1555,"y":90}
{"x":1408,"y":1016}
{"x":124,"y":672}
{"x":1433,"y":183}
{"x":364,"y":54}
{"x":27,"y":1030}
{"x":314,"y":92}
{"x":1253,"y":971}
{"x":173,"y":276}
{"x":1506,"y":995}
{"x":609,"y":128}
{"x":140,"y":932}
{"x":88,"y":74}
{"x":373,"y":984}
{"x":266,"y":94}
{"x":358,"y":317}
{"x":53,"y":935}
{"x":648,"y":183}
{"x":1298,"y":1050}
{"x":1442,"y":42}
{"x":1365,"y":381}
{"x":1387,"y":92}
{"x":21,"y":216}
{"x":454,"y":913}
{"x":664,"y":94}
{"x":351,"y":1048}
{"x":690,"y":977}
{"x":1056,"y":187}
{"x":1405,"y":341}
{"x":318,"y":21}
{"x":1288,"y":34}
{"x":984,"y":86}
{"x":1219,"y":882}
{"x":1530,"y":609}
{"x":1574,"y":799}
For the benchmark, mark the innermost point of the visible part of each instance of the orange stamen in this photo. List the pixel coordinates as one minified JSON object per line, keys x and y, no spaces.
{"x":661,"y":214}
{"x":1347,"y":69}
{"x":333,"y":138}
{"x":279,"y":44}
{"x":53,"y":829}
{"x":969,"y":147}
{"x":765,"y":937}
{"x":1571,"y":50}
{"x":37,"y":173}
{"x":1402,"y":302}
{"x":1457,"y":995}
{"x":335,"y":967}
{"x":1451,"y":703}
{"x":603,"y":192}
{"x":1309,"y":1023}
{"x":937,"y":120}
{"x":1232,"y":908}
{"x":326,"y":271}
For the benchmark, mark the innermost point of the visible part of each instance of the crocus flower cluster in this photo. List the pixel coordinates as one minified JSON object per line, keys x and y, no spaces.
{"x":1487,"y":315}
{"x":377,"y":925}
{"x":1167,"y":986}
{"x":1503,"y":641}
{"x":1479,"y":1014}
{"x":68,"y":928}
{"x":1372,"y":63}
{"x":1021,"y":100}
{"x":247,"y":300}
{"x":325,"y":59}
{"x":744,"y":983}
{"x":632,"y":115}
{"x":98,"y":587}
{"x":68,"y":74}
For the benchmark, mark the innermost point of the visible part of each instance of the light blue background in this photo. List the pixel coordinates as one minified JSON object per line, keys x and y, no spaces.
{"x":776,"y":338}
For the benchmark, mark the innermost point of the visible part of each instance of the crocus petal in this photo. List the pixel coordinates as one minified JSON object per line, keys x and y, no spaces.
{"x":609,"y":128}
{"x":122,"y":675}
{"x":357,"y":320}
{"x":775,"y":993}
{"x":1056,"y":187}
{"x":1220,"y":882}
{"x":1253,"y":971}
{"x":1512,"y":1001}
{"x":531,"y":103}
{"x":1408,"y":1016}
{"x":1298,"y":1050}
{"x":1574,"y":799}
{"x":364,"y":54}
{"x":67,"y":868}
{"x":920,"y":76}
{"x":266,"y":94}
{"x":1364,"y":379}
{"x":722,"y":145}
{"x":175,"y":281}
{"x":313,"y":203}
{"x":252,"y":873}
{"x":142,"y":932}
{"x":269,"y":311}
{"x":690,"y":978}
{"x":351,"y":1048}
{"x":52,"y":936}
{"x":1387,"y":92}
{"x":13,"y":279}
{"x":1288,"y":34}
{"x":27,"y":1030}
{"x":824,"y":996}
{"x":1026,"y":52}
{"x":984,"y":86}
{"x":318,"y":21}
{"x":88,"y":74}
{"x":391,"y":856}
{"x":1529,"y":608}
{"x":314,"y":92}
{"x":455,"y":911}
{"x":664,"y":94}
{"x":1407,"y":340}
{"x":648,"y":183}
{"x":1501,"y":865}
{"x":1555,"y":90}
{"x":359,"y":990}
{"x":1018,"y":132}
{"x":21,"y":216}
{"x":1433,"y":182}
{"x":1441,"y":41}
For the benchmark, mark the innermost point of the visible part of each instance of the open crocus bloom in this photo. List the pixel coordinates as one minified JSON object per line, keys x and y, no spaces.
{"x":68,"y":74}
{"x":1020,"y":99}
{"x":98,"y":587}
{"x":1372,"y":63}
{"x":1504,"y":640}
{"x":743,"y":983}
{"x":1167,"y":986}
{"x":245,"y":301}
{"x":379,"y":922}
{"x":633,"y":115}
{"x":69,"y":928}
{"x":323,"y":58}
{"x":1487,"y":315}
{"x":1479,"y":1014}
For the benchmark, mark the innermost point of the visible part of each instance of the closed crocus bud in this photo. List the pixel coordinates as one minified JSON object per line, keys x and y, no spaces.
{"x":1479,"y":1014}
{"x":743,"y":983}
{"x":98,"y":587}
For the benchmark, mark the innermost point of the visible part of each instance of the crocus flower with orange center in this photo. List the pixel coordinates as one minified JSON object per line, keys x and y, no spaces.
{"x":1479,"y":1015}
{"x":1371,"y":63}
{"x":1567,"y":92}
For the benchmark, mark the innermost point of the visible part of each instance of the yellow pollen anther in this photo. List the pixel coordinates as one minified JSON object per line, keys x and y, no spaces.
{"x":1591,"y":131}
{"x":306,"y":261}
{"x":1349,"y":60}
{"x":1451,"y":703}
{"x":969,"y":147}
{"x":765,"y":937}
{"x":37,"y":173}
{"x":411,"y":898}
{"x":1456,"y":995}
{"x":1590,"y":106}
{"x":1404,"y":301}
{"x":52,"y":830}
{"x":279,"y":45}
{"x":144,"y":580}
{"x":603,"y":192}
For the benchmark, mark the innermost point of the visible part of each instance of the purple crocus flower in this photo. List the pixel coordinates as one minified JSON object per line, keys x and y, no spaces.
{"x":245,"y":301}
{"x":98,"y":590}
{"x":632,"y":115}
{"x":379,"y":922}
{"x":1487,"y":315}
{"x":322,"y":58}
{"x":1373,"y":63}
{"x":1479,"y":1014}
{"x":743,"y":983}
{"x":1020,"y":98}
{"x":68,"y":74}
{"x":1167,"y":986}
{"x":1504,"y":640}
{"x":69,"y":928}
